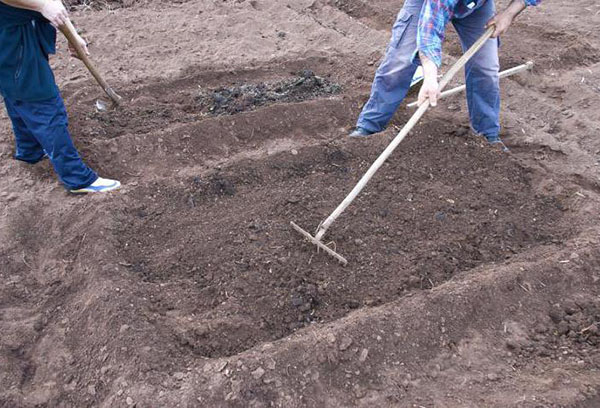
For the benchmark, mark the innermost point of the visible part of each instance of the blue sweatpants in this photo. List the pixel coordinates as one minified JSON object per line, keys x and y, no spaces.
{"x":394,"y":75}
{"x":42,"y":128}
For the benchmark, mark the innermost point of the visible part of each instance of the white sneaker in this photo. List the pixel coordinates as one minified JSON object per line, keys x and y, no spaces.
{"x":101,"y":185}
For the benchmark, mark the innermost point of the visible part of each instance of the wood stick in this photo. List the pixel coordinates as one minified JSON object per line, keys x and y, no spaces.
{"x":407,"y":128}
{"x":69,"y":31}
{"x":458,"y":89}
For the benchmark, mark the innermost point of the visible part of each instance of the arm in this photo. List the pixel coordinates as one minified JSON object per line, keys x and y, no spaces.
{"x":53,"y":11}
{"x":431,"y":31}
{"x":504,"y":19}
{"x":429,"y":60}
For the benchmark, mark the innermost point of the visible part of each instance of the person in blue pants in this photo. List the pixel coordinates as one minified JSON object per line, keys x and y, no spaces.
{"x":30,"y":94}
{"x":417,"y":37}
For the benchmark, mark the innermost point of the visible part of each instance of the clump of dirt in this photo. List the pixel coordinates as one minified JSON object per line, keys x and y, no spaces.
{"x":571,"y":331}
{"x":231,"y":100}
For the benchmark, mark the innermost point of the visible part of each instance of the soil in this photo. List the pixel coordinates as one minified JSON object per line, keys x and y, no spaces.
{"x":473,"y":275}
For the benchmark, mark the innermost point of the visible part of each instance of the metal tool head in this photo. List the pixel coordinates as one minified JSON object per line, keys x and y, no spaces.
{"x":319,"y":244}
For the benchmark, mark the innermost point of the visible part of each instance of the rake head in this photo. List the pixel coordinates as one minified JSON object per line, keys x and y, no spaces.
{"x":319,"y":244}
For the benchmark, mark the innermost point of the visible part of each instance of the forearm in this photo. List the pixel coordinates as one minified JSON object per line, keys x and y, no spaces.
{"x":516,"y":7}
{"x":35,"y":5}
{"x":430,"y":69}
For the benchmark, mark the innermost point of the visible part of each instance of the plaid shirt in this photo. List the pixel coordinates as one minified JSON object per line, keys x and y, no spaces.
{"x":434,"y":18}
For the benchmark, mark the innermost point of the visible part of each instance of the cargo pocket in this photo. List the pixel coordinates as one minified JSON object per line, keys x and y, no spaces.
{"x":400,"y":26}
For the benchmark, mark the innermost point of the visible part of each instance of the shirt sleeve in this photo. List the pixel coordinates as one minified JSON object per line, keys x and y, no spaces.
{"x":435,"y":15}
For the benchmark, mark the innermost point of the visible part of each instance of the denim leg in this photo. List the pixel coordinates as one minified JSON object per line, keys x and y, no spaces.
{"x":47,"y":121}
{"x":394,"y":75}
{"x":481,"y":72}
{"x":27,"y":147}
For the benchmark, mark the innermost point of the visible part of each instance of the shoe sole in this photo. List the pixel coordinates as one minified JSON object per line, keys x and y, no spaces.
{"x":104,"y":190}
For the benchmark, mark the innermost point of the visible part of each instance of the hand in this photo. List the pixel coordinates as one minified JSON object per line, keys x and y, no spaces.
{"x":55,"y":12}
{"x":82,"y":43}
{"x":429,"y":90}
{"x":503,"y":20}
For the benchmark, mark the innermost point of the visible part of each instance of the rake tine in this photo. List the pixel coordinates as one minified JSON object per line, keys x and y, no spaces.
{"x":319,"y":244}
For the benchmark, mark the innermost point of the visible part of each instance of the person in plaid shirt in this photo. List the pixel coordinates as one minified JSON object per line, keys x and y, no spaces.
{"x":417,"y":37}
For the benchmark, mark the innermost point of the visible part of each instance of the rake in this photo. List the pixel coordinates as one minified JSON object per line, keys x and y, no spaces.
{"x":324,"y":226}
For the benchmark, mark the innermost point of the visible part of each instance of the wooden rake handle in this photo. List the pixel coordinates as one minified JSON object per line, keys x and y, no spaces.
{"x":69,"y":31}
{"x":405,"y":130}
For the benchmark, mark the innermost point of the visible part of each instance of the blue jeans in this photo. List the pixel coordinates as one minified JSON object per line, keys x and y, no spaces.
{"x":394,"y":75}
{"x":41,"y":128}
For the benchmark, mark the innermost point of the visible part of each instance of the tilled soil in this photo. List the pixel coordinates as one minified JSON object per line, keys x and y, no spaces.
{"x":472,"y":277}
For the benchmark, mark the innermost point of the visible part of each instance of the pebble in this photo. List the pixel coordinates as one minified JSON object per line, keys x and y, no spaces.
{"x":271,"y":364}
{"x":91,"y":389}
{"x":512,"y":344}
{"x":258,"y":373}
{"x":363,"y":355}
{"x":294,"y":152}
{"x":345,"y":343}
{"x":179,"y":375}
{"x":129,"y":401}
{"x":563,"y":327}
{"x":493,"y":377}
{"x":123,"y":328}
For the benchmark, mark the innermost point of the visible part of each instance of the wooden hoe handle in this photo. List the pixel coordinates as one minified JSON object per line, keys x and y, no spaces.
{"x":69,"y":31}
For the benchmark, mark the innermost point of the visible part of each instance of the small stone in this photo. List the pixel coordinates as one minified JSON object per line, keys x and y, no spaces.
{"x":104,"y":370}
{"x":440,"y":216}
{"x":363,"y":355}
{"x":563,"y":328}
{"x":493,"y":377}
{"x":331,"y":338}
{"x":556,"y":315}
{"x":179,"y":376}
{"x":512,"y":344}
{"x":571,"y":307}
{"x":258,"y":373}
{"x":345,"y":343}
{"x":91,"y":389}
{"x":221,"y":366}
{"x":123,"y":328}
{"x":271,"y":364}
{"x":294,"y":152}
{"x":129,"y":401}
{"x":358,"y":241}
{"x":414,"y":281}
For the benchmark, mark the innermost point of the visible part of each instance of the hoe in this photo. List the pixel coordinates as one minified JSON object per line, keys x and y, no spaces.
{"x":69,"y":31}
{"x":324,"y":225}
